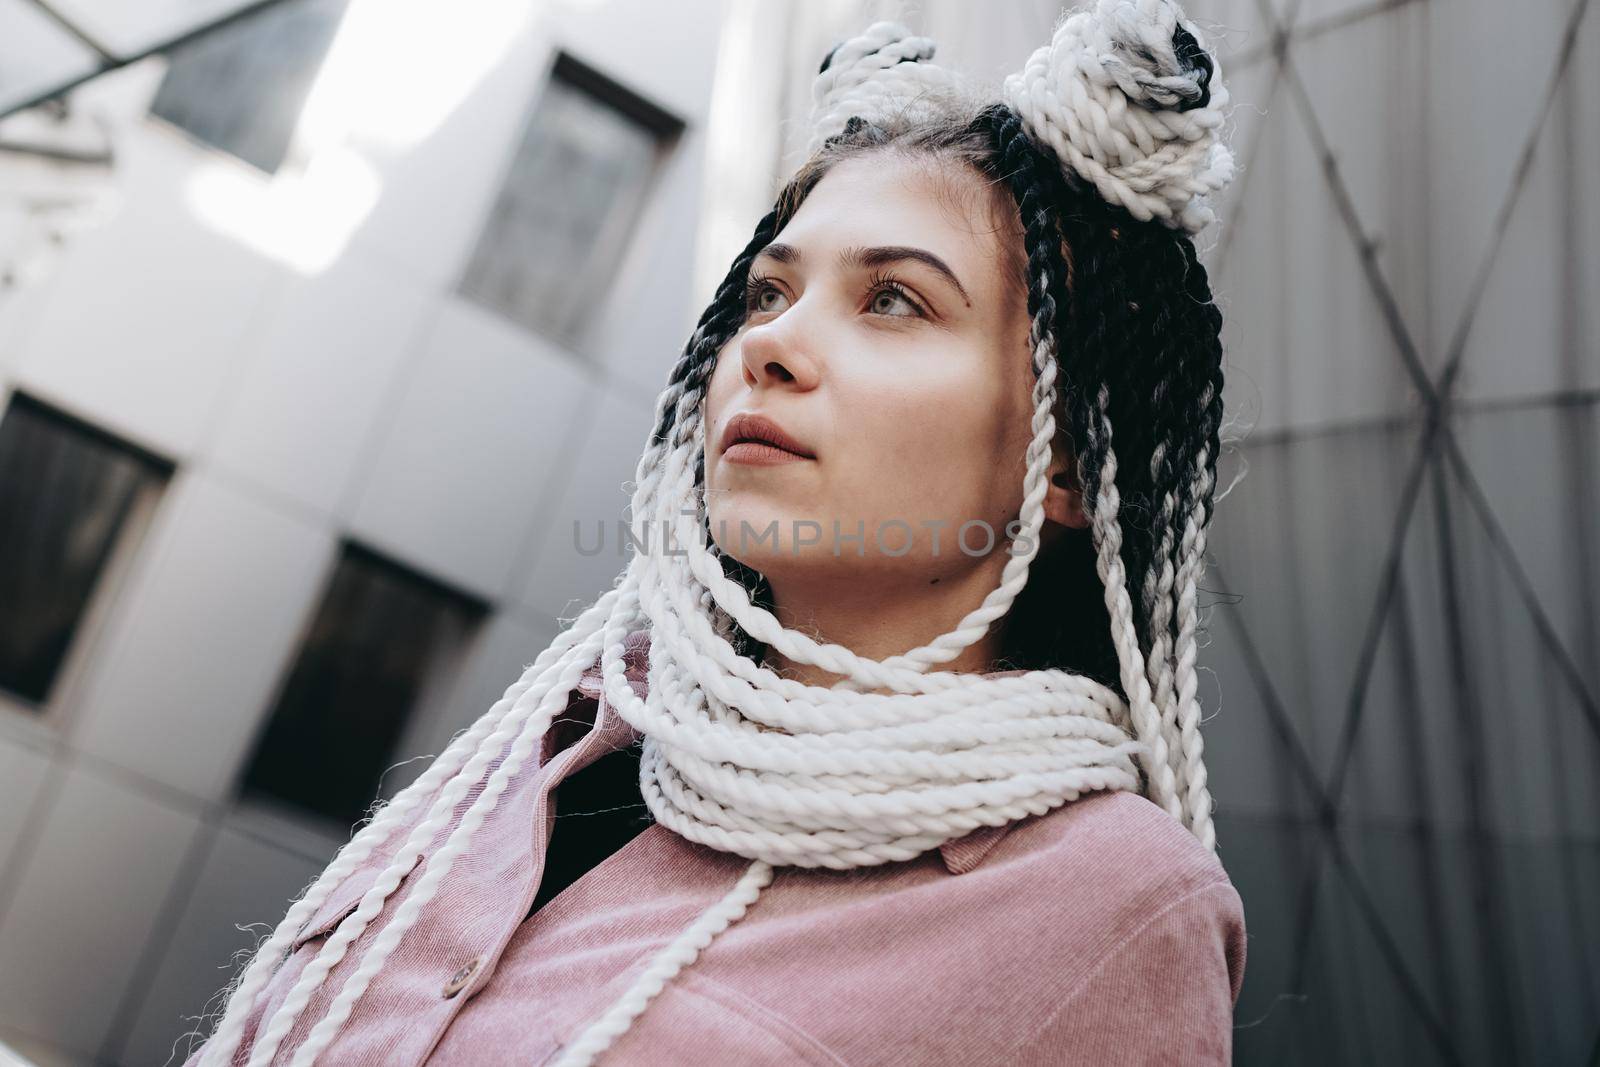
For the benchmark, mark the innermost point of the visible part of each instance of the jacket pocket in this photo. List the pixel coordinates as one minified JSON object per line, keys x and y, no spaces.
{"x":345,"y":898}
{"x":695,"y":1019}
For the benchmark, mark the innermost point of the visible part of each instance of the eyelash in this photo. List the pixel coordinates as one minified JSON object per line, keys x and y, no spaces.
{"x":880,"y":281}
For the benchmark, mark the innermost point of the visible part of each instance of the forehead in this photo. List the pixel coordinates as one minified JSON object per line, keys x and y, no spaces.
{"x":886,"y":199}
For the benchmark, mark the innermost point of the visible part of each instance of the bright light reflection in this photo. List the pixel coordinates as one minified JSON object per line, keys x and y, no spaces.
{"x":303,"y":220}
{"x":395,"y":70}
{"x":398,"y":68}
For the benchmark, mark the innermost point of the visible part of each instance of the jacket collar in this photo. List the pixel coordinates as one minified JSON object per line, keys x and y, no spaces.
{"x":962,"y":854}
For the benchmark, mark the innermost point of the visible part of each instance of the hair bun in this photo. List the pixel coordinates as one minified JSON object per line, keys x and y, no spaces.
{"x":885,"y":72}
{"x":1131,"y":101}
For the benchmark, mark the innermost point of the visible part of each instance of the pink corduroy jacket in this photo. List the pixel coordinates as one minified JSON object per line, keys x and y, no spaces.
{"x":1101,"y":932}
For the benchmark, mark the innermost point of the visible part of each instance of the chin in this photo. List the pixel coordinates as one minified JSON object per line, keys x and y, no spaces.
{"x":771,"y":539}
{"x":802,"y":548}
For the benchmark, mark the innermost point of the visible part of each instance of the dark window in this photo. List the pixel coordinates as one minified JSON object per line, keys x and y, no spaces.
{"x":573,"y":192}
{"x":380,"y":637}
{"x":241,"y":88}
{"x":66,"y":491}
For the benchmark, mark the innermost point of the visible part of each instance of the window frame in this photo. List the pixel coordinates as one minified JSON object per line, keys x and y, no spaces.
{"x":56,"y":715}
{"x":290,"y":825}
{"x":616,"y":240}
{"x":288,"y":158}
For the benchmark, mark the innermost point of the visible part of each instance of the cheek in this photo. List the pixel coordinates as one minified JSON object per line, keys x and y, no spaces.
{"x":933,"y":442}
{"x":720,"y":388}
{"x":721,"y":379}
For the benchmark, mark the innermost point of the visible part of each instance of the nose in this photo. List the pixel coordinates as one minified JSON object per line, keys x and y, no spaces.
{"x":777,"y":352}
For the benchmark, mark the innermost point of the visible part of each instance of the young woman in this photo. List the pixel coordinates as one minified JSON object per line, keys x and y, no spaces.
{"x":904,"y":668}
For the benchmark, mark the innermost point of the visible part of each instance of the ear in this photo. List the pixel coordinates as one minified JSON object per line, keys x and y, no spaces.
{"x":1063,"y":500}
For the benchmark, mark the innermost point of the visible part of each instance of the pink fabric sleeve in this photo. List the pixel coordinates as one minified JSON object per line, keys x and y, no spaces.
{"x":1163,"y":995}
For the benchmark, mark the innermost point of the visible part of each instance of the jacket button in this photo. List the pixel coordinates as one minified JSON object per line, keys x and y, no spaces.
{"x":462,"y":977}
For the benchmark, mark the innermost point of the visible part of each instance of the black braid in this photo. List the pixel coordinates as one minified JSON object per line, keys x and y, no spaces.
{"x":719,"y":322}
{"x":1060,"y":618}
{"x":1194,"y":57}
{"x":1183,"y":336}
{"x":1132,"y":313}
{"x":1159,"y":417}
{"x":1207,"y":376}
{"x":1138,"y":319}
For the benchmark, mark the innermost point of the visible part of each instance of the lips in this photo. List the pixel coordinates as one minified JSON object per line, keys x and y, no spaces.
{"x":759,"y":429}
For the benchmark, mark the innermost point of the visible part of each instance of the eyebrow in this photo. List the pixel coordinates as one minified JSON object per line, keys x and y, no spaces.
{"x":879,"y":256}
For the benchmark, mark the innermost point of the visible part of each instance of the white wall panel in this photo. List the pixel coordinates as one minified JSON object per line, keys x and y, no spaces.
{"x":188,"y":675}
{"x":243,"y":881}
{"x":313,"y":394}
{"x":146,"y":320}
{"x":72,"y":934}
{"x":564,"y":579}
{"x":22,"y":774}
{"x":466,"y":454}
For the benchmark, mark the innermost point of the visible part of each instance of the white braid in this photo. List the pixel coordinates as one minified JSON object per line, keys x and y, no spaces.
{"x":895,"y":760}
{"x":884,"y":72}
{"x":1170,"y":594}
{"x":1158,"y":605}
{"x":1198,"y":798}
{"x":1162,"y":784}
{"x":1104,"y":95}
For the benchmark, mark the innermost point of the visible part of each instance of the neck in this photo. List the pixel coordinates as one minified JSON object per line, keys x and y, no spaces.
{"x":877,"y":621}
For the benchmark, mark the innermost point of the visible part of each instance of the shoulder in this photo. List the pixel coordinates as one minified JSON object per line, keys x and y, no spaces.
{"x":1116,"y":834}
{"x":1116,"y":843}
{"x":1112,"y":870}
{"x":1144,"y":929}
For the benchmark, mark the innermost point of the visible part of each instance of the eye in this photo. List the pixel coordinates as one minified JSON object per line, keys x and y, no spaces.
{"x":758,"y":291}
{"x":887,"y":294}
{"x":888,"y":297}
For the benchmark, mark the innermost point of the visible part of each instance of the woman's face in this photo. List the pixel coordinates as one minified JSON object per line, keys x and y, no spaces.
{"x":885,"y":339}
